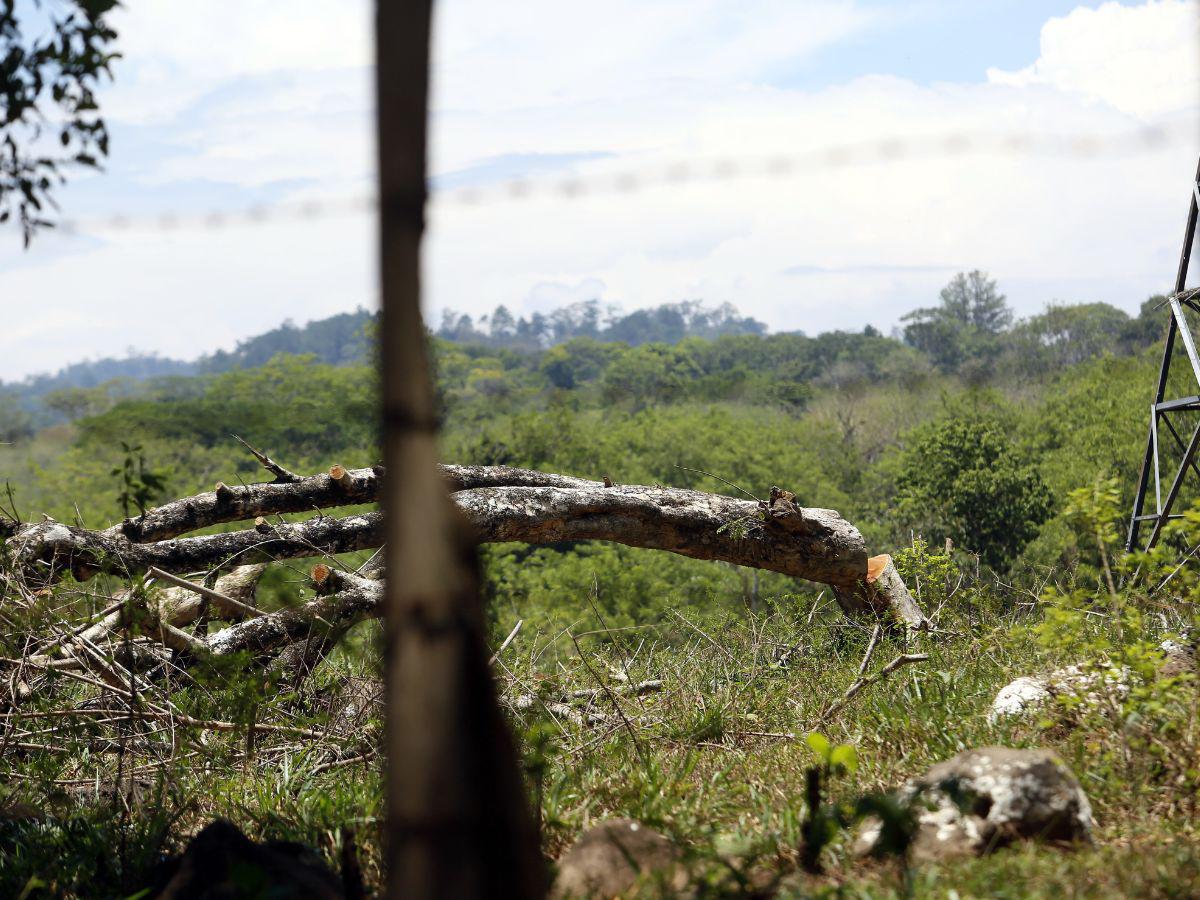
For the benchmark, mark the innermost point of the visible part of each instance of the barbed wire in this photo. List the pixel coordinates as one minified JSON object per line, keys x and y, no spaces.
{"x":678,"y":173}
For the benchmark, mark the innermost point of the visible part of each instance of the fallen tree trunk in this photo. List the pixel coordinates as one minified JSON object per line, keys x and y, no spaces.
{"x":501,"y":504}
{"x":814,"y":544}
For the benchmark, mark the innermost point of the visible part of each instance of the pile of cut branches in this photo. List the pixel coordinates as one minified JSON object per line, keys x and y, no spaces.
{"x":186,"y":602}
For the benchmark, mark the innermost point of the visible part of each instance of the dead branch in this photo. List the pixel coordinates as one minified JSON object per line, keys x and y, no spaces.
{"x":508,"y":640}
{"x":501,"y":503}
{"x":227,"y":604}
{"x":167,"y":612}
{"x":863,"y":682}
{"x":243,"y":503}
{"x":280,"y":473}
{"x":358,"y":599}
{"x":49,"y":549}
{"x":339,"y":487}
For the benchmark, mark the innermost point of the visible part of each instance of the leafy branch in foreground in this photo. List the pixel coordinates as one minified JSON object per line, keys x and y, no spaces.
{"x":896,"y":819}
{"x":59,"y":72}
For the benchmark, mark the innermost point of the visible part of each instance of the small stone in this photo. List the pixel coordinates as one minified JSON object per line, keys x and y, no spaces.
{"x":614,"y":856}
{"x":1020,"y":696}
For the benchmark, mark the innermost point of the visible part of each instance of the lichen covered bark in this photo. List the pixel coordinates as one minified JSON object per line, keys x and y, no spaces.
{"x":501,"y":504}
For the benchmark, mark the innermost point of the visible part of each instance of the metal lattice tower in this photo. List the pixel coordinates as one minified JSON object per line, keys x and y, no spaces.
{"x":1166,"y":414}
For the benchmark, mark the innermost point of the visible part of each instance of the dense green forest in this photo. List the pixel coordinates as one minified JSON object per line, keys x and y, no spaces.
{"x":966,"y":426}
{"x":86,"y":388}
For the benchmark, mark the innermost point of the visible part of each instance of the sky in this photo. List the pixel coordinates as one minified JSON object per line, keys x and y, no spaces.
{"x":664,"y":150}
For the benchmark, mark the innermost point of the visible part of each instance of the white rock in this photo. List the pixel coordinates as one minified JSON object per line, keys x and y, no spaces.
{"x":1026,"y":693}
{"x":985,"y":798}
{"x":1030,"y":693}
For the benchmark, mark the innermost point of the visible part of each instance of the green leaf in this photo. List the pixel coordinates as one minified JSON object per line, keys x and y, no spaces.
{"x":819,"y":744}
{"x":845,"y":756}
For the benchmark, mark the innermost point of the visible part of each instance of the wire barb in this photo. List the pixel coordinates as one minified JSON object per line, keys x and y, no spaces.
{"x":673,"y":174}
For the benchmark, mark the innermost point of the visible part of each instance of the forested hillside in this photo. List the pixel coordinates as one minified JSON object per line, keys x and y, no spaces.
{"x":665,"y":324}
{"x":91,"y":387}
{"x":968,"y":426}
{"x":88,"y":388}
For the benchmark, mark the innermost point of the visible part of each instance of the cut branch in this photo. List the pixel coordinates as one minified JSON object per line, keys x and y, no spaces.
{"x":237,"y":504}
{"x":357,"y":599}
{"x":167,"y":611}
{"x":340,"y":487}
{"x":49,"y":549}
{"x":224,"y":602}
{"x":502,"y":504}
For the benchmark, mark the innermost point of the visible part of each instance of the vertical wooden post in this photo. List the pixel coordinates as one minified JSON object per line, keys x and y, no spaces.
{"x":458,"y":822}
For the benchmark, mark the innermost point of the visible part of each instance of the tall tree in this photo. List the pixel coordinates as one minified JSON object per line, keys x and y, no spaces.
{"x":966,"y":325}
{"x":503,"y":323}
{"x":972,"y":299}
{"x":15,"y":422}
{"x":458,"y":822}
{"x":49,"y":117}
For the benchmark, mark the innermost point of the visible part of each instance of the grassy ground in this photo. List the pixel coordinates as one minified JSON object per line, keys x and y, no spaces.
{"x":714,"y":757}
{"x":709,"y":761}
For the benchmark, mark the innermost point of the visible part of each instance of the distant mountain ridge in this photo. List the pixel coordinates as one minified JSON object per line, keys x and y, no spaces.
{"x":346,"y":339}
{"x":341,"y":339}
{"x":668,"y":323}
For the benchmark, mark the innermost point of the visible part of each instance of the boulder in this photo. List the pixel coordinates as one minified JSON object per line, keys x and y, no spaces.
{"x":221,"y":862}
{"x":1022,"y":695}
{"x":1179,"y":658}
{"x":614,"y":856}
{"x":985,"y":798}
{"x":1031,"y":693}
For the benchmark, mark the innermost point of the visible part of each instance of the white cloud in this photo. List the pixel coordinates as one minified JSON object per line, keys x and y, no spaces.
{"x":570,"y":52}
{"x":1074,"y":229}
{"x":296,"y":126}
{"x":284,"y":99}
{"x":175,"y":54}
{"x":182,"y":293}
{"x":1142,"y":60}
{"x":246,"y":92}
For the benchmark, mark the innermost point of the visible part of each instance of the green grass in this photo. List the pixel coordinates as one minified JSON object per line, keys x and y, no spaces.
{"x":706,"y":759}
{"x":714,"y":768}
